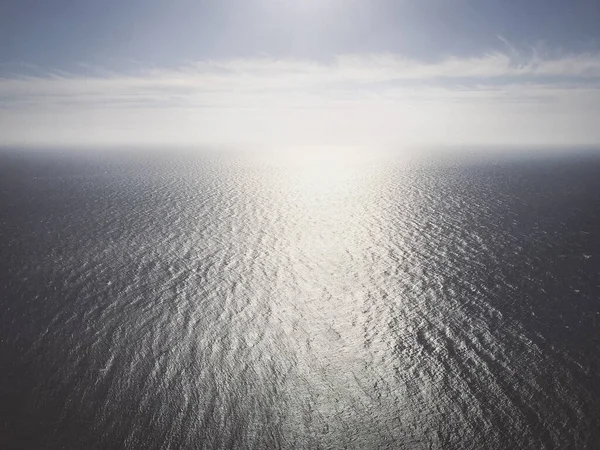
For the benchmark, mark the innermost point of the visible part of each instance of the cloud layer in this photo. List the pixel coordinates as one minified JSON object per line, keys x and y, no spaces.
{"x":382,"y":99}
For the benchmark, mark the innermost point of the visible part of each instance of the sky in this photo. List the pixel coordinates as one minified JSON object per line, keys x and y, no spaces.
{"x":304,"y":72}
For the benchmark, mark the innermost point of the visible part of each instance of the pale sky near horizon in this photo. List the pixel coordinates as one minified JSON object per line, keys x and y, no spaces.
{"x":304,"y":72}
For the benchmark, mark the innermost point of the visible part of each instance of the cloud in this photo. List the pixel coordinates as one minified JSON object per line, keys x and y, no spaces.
{"x":495,"y":99}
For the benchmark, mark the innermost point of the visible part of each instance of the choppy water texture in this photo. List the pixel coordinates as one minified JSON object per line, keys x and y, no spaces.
{"x":202,"y":303}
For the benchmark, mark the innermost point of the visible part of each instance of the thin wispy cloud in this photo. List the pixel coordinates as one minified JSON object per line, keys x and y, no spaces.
{"x":378,"y":97}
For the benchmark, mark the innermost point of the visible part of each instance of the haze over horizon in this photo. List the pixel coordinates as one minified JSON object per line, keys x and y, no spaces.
{"x":279,"y":72}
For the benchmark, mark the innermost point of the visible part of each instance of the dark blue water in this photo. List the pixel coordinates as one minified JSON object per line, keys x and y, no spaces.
{"x":154,"y":302}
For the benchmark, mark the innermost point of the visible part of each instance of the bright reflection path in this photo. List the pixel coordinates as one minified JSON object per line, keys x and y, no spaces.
{"x":344,"y":288}
{"x":327,"y":208}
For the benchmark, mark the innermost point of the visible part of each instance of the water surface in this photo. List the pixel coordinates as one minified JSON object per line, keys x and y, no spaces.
{"x":167,"y":303}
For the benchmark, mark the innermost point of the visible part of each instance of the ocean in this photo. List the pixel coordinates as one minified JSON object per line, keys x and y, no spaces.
{"x":168,"y":301}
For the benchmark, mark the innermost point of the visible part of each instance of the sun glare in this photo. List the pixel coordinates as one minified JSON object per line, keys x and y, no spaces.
{"x":307,"y":6}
